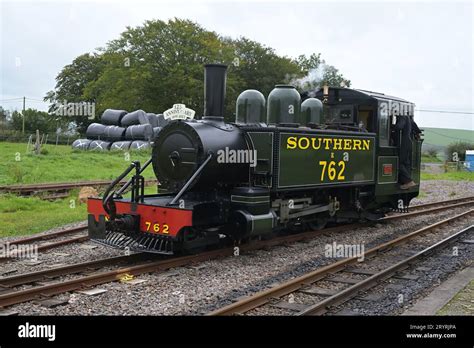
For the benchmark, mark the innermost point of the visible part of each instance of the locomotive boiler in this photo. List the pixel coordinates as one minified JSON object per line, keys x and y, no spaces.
{"x":289,"y":163}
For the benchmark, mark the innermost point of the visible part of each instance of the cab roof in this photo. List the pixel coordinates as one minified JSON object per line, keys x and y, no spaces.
{"x":353,"y":94}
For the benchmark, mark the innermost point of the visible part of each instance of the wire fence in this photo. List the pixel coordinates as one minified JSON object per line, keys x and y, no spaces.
{"x":50,"y":139}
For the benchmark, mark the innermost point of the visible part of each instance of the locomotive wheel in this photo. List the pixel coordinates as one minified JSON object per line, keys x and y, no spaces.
{"x":318,"y":224}
{"x":195,"y":242}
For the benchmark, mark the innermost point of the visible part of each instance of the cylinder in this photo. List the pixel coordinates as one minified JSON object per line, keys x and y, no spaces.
{"x":283,"y":106}
{"x":250,"y":107}
{"x":214,"y":89}
{"x":312,"y":112}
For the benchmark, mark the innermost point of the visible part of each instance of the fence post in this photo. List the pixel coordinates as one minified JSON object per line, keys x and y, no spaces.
{"x":38,"y":142}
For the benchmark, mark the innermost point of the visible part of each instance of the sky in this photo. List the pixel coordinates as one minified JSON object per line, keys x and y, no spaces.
{"x":420,"y":51}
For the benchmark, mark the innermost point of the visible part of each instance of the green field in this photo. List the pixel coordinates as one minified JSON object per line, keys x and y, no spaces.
{"x":444,"y":136}
{"x":456,"y":176}
{"x":26,"y":215}
{"x":430,"y":159}
{"x":63,"y":164}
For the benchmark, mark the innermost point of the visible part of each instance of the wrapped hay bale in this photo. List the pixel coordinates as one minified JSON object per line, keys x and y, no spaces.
{"x":120,"y":146}
{"x":139,"y":132}
{"x":113,"y":133}
{"x":156,"y":130}
{"x":112,"y":117}
{"x":134,"y":118}
{"x":161,"y":120}
{"x":81,"y":144}
{"x":99,"y":145}
{"x":152,"y":119}
{"x":95,"y":131}
{"x":139,"y":145}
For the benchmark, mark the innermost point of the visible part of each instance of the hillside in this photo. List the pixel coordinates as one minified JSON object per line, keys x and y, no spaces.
{"x":441,"y":137}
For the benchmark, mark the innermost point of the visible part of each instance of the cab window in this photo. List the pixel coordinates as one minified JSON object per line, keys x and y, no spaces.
{"x":340,"y":114}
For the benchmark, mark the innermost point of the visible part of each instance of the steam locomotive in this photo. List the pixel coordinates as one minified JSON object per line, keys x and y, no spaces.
{"x":289,"y":163}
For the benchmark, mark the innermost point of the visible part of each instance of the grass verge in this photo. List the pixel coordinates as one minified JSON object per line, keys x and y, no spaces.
{"x":457,"y":176}
{"x":28,"y":215}
{"x":63,"y":164}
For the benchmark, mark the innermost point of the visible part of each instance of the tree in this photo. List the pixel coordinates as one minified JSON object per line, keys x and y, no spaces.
{"x":256,"y":66}
{"x":4,"y":114}
{"x":34,"y":120}
{"x":318,"y":74}
{"x":71,"y":83}
{"x":457,"y":151}
{"x":160,"y":63}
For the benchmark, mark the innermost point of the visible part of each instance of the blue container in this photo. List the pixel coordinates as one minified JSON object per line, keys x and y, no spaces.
{"x":470,"y":160}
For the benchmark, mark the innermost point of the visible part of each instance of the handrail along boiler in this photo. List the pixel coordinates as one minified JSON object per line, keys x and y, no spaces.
{"x":291,"y":162}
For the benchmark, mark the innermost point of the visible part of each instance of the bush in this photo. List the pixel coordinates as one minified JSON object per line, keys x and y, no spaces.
{"x":431,"y":152}
{"x":460,"y":148}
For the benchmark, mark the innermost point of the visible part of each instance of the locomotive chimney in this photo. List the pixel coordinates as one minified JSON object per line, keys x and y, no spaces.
{"x":214,"y":89}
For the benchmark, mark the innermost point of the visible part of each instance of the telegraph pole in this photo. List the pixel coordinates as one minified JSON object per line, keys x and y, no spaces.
{"x":23,"y":114}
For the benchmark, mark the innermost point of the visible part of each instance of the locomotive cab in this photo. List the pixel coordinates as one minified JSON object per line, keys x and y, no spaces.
{"x":369,"y":111}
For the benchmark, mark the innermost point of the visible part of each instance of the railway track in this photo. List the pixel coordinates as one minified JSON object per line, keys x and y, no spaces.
{"x":135,"y":267}
{"x":45,"y":237}
{"x":447,"y":201}
{"x":60,"y":190}
{"x":306,"y":284}
{"x":418,"y":210}
{"x":51,"y":235}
